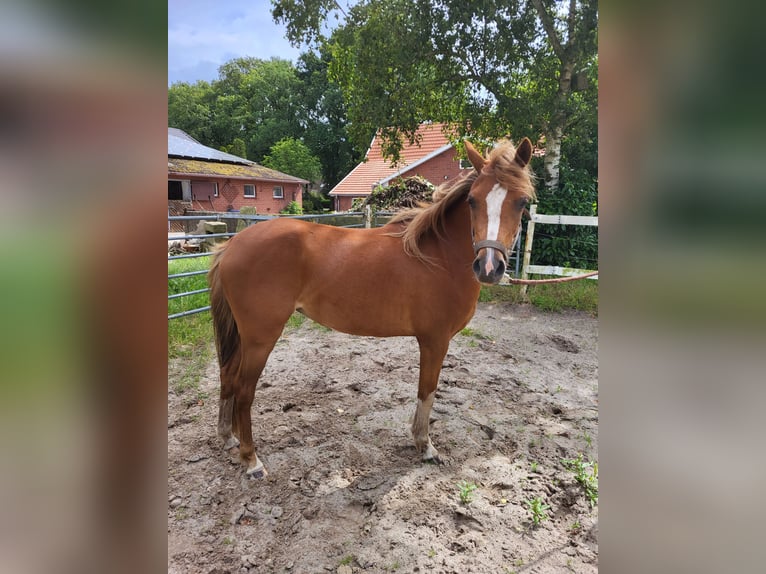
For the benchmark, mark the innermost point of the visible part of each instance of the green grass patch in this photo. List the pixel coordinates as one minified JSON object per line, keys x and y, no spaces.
{"x":579,"y":295}
{"x":190,"y":338}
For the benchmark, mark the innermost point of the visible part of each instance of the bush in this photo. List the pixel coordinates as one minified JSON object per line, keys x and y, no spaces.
{"x":293,"y":208}
{"x":568,"y":245}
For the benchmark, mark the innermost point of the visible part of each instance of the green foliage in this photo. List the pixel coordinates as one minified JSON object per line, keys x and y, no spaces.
{"x":568,"y":245}
{"x":465,"y":491}
{"x":237,"y":148}
{"x":399,"y":63}
{"x":586,"y":473}
{"x":538,"y":509}
{"x":256,"y":103}
{"x":580,"y":295}
{"x":314,"y":202}
{"x":293,"y":208}
{"x":189,"y":338}
{"x":291,"y":156}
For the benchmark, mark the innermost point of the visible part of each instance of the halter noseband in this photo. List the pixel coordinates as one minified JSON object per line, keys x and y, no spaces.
{"x":492,"y":245}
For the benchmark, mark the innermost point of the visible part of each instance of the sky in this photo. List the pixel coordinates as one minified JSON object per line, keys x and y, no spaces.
{"x":203,"y":34}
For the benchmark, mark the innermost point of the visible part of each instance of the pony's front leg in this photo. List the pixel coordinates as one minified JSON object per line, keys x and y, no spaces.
{"x":432,"y":354}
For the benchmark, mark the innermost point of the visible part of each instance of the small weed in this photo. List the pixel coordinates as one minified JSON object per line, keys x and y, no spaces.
{"x":295,"y":321}
{"x":466,"y":491}
{"x":575,"y":526}
{"x":394,"y":567}
{"x":538,"y":509}
{"x":348,"y":559}
{"x":228,"y":541}
{"x":586,"y":473}
{"x":533,"y":466}
{"x":468,"y":332}
{"x":431,"y":552}
{"x":558,"y":389}
{"x":588,"y":439}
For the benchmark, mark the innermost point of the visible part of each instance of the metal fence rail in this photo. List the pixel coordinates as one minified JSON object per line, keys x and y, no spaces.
{"x":248,"y":220}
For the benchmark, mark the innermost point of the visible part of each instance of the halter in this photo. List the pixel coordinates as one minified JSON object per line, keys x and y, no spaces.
{"x":496,"y":245}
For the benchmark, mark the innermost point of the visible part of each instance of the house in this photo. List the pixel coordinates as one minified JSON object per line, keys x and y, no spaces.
{"x":433,"y":158}
{"x":201,"y":178}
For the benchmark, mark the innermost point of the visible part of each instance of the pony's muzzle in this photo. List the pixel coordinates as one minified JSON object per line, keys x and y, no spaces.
{"x":489,"y":266}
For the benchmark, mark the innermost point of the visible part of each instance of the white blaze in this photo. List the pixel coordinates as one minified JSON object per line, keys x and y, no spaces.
{"x":495,"y":199}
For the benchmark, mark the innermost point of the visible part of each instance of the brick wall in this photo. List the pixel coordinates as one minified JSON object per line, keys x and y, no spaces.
{"x":439,"y":169}
{"x":231,"y":195}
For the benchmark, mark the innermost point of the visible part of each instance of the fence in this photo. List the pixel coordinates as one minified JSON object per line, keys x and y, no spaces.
{"x":352,"y":219}
{"x":534,"y":218}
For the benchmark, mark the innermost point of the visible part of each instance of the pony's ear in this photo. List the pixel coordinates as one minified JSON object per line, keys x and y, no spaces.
{"x":524,"y":152}
{"x":473,"y":156}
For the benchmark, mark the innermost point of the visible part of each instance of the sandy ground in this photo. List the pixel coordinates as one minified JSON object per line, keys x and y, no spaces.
{"x":346,"y":491}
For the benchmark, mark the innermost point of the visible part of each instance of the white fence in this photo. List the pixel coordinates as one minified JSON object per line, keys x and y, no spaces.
{"x":534,"y":218}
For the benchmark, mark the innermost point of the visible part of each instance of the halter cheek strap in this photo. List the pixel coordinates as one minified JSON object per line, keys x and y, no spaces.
{"x":492,"y":245}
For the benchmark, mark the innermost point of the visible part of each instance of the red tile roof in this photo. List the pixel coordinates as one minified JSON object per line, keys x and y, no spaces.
{"x":361,"y":180}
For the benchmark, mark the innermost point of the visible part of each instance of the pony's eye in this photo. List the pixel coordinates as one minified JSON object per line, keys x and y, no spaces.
{"x":471,"y":202}
{"x":522,"y":203}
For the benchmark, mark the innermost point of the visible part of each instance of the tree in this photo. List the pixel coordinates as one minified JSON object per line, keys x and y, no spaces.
{"x":237,"y":148}
{"x":190,"y":109}
{"x":573,"y":42}
{"x":326,"y":119}
{"x":491,"y":68}
{"x":292,"y":157}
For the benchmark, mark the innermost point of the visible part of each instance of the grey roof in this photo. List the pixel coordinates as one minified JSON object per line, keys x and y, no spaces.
{"x":181,"y":144}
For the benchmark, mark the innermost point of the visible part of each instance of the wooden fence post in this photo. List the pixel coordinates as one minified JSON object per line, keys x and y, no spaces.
{"x":367,"y":216}
{"x":528,"y":247}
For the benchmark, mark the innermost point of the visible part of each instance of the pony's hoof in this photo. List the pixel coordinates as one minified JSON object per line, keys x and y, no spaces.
{"x":230,"y":443}
{"x":257,"y":471}
{"x":431,"y":454}
{"x":436,"y":460}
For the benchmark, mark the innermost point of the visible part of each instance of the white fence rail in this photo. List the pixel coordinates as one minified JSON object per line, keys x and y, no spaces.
{"x":534,"y":218}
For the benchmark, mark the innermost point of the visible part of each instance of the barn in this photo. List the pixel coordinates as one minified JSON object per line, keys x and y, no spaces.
{"x":201,"y":178}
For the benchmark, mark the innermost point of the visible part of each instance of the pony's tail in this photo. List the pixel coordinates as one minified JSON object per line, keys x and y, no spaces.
{"x":224,"y":325}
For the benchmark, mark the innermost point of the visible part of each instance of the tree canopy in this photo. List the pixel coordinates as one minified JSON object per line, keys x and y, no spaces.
{"x":256,"y":103}
{"x":492,"y":68}
{"x":292,"y":157}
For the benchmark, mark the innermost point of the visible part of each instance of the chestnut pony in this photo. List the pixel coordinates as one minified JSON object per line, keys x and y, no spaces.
{"x":419,"y":275}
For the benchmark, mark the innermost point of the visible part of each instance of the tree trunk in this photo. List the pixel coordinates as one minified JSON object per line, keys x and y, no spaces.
{"x":552,"y":159}
{"x":555,"y":130}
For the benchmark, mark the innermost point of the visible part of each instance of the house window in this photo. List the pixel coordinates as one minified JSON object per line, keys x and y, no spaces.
{"x":175,"y":190}
{"x":465,"y":164}
{"x":278,"y":192}
{"x":249,"y":190}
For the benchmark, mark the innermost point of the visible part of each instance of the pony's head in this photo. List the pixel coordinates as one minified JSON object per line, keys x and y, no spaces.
{"x":497,"y":199}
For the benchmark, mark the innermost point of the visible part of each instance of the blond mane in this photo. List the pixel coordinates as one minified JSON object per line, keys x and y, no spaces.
{"x":429,"y":217}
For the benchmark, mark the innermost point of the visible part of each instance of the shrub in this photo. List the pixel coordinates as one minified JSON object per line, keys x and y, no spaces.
{"x":293,"y":208}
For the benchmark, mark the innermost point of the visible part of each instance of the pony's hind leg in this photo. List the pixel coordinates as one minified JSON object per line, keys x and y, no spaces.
{"x":254,"y":357}
{"x":432,"y":354}
{"x":226,"y":403}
